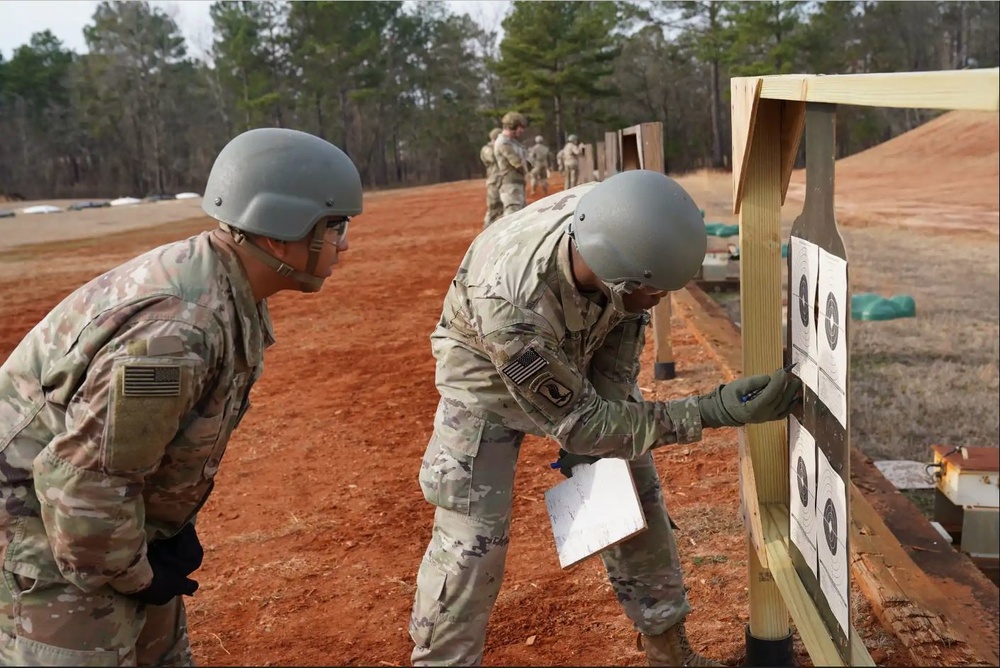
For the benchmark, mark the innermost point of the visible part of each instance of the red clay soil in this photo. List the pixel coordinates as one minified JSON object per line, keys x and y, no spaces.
{"x":317,"y":525}
{"x":945,"y":176}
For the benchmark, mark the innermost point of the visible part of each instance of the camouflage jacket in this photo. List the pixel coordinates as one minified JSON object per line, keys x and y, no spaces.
{"x":490,"y":162}
{"x":115,"y":411}
{"x":571,"y":154}
{"x":539,"y":155}
{"x":518,"y":344}
{"x":512,"y":160}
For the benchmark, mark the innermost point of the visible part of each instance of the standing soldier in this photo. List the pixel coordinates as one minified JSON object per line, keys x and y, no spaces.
{"x":571,"y":161}
{"x":539,"y":157}
{"x":115,"y":410}
{"x":561,"y":166}
{"x":541,"y":333}
{"x":494,"y":207}
{"x":512,"y":162}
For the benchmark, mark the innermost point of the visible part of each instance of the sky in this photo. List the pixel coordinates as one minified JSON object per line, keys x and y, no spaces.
{"x":66,"y":19}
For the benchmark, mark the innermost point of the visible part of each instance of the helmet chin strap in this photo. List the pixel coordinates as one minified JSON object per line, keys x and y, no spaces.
{"x":308,"y":282}
{"x":616,"y":293}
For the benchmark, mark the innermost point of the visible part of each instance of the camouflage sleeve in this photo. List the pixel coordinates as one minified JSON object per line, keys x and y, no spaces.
{"x":486,"y":156}
{"x":614,"y":368}
{"x":89,"y":479}
{"x":566,"y":406}
{"x":511,"y":154}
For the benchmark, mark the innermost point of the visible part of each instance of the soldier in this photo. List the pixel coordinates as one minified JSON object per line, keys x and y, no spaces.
{"x":571,"y":161}
{"x":539,"y":157}
{"x":494,"y":207}
{"x":115,"y":410}
{"x":561,"y":166}
{"x":512,"y":162}
{"x":541,"y":333}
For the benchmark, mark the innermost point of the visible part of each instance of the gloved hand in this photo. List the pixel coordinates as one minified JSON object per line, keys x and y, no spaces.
{"x":182,"y":552}
{"x":751,"y":400}
{"x":172,"y":560}
{"x":567,"y":460}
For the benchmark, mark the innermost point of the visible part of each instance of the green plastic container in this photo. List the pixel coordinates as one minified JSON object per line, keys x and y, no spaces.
{"x":722,"y":230}
{"x":871,"y":306}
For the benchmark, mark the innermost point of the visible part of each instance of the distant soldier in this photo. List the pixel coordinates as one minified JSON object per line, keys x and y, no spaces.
{"x":512,"y":162}
{"x":494,"y":207}
{"x":571,"y":161}
{"x":541,"y":333}
{"x":116,"y":409}
{"x":539,"y":155}
{"x":561,"y":166}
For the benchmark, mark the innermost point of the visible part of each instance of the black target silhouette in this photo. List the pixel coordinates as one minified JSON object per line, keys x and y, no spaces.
{"x":804,"y":309}
{"x":832,"y":321}
{"x":830,"y":526}
{"x":803,"y":478}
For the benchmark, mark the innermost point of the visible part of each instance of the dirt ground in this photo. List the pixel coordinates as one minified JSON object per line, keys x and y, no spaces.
{"x":317,"y":525}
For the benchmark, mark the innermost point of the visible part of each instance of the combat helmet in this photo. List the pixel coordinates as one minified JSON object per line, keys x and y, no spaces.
{"x":513,"y":120}
{"x":572,"y":139}
{"x":285,"y":185}
{"x":639,"y":227}
{"x":539,"y":139}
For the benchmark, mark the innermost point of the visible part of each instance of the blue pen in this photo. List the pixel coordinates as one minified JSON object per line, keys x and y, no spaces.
{"x":750,"y":395}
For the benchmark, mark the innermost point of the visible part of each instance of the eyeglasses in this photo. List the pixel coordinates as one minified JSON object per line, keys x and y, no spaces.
{"x":339,"y":225}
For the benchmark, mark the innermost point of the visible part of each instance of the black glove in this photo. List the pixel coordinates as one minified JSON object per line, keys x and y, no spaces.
{"x":172,"y":560}
{"x":567,"y":460}
{"x":751,"y":400}
{"x":182,"y":553}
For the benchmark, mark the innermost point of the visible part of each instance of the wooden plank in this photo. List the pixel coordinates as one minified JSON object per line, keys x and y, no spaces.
{"x":902,"y":596}
{"x":808,"y":623}
{"x":949,"y":89}
{"x":611,"y":154}
{"x":973,"y":602}
{"x":631,"y":130}
{"x":749,"y":505}
{"x":597,"y":508}
{"x":760,"y":304}
{"x":972,"y":605}
{"x":586,"y":163}
{"x":793,"y":121}
{"x":601,"y":161}
{"x":745,"y":100}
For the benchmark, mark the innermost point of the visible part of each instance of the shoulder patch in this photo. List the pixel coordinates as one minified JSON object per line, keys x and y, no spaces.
{"x":165,"y":345}
{"x":553,"y":391}
{"x":524,"y":366}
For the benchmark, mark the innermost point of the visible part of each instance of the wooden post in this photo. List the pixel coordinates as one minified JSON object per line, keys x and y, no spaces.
{"x":601,"y":160}
{"x":760,"y":309}
{"x":586,"y":163}
{"x":612,"y":153}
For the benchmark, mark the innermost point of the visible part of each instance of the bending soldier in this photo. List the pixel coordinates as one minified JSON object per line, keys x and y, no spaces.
{"x":541,"y":333}
{"x":116,"y":409}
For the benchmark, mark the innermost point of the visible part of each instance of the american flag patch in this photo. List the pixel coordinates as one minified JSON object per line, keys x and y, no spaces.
{"x":524,"y":366}
{"x":152,"y":381}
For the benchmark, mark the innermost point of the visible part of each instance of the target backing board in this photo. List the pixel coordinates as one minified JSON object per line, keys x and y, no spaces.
{"x":819,"y":473}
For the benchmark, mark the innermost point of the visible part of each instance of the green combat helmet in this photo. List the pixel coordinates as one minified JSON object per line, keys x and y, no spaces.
{"x":572,"y":139}
{"x":639,"y":227}
{"x":286,"y":185}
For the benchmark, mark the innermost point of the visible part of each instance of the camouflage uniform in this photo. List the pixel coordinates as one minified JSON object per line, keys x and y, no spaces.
{"x":539,"y":156}
{"x":520,"y":350}
{"x":512,"y":165}
{"x":571,"y":164}
{"x":494,"y":207}
{"x":115,"y":411}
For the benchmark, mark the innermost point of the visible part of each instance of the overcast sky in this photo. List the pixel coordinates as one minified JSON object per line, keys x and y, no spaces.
{"x":66,"y":19}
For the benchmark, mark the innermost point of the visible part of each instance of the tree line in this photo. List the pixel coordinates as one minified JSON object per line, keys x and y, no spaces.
{"x":411,"y":91}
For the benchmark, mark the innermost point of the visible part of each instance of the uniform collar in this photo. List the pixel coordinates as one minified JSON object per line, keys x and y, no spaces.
{"x":579,"y":312}
{"x":255,"y":319}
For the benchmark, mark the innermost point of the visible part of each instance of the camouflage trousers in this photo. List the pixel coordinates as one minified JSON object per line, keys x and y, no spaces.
{"x":57,"y":624}
{"x":539,"y":177}
{"x":512,"y":197}
{"x":468,"y":473}
{"x":572,"y":176}
{"x":494,"y":207}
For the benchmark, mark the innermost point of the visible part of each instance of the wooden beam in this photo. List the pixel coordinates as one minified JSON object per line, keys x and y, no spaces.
{"x":749,"y":507}
{"x":611,"y":154}
{"x":949,"y":89}
{"x":902,"y":596}
{"x":793,"y":121}
{"x":601,"y":161}
{"x":745,"y":97}
{"x":808,"y":623}
{"x":760,"y":306}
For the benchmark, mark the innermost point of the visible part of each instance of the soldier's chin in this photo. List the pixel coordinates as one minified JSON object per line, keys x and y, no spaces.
{"x":638,"y":302}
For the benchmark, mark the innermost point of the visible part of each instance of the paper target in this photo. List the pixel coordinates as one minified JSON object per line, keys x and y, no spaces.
{"x":805,"y":269}
{"x":831,"y":498}
{"x":832,"y":347}
{"x":802,"y":482}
